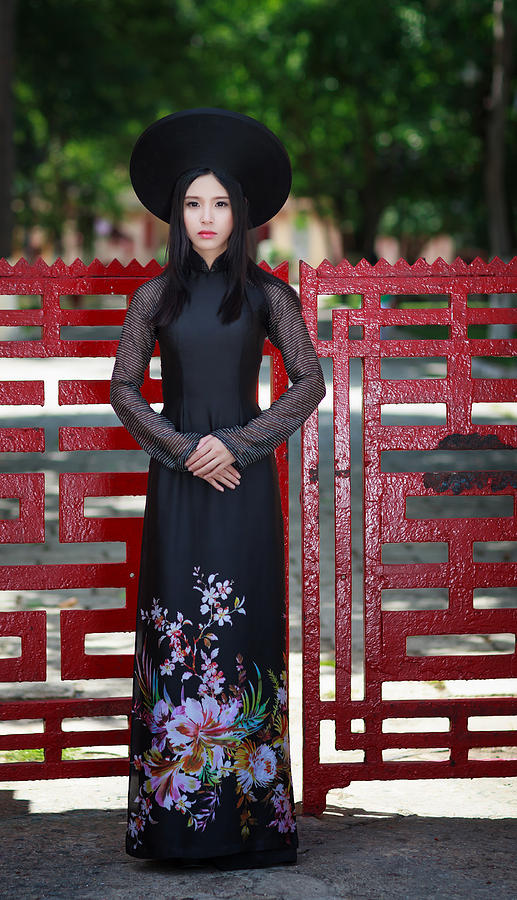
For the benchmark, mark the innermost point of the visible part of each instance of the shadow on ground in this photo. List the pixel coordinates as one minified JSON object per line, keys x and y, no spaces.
{"x":345,"y":853}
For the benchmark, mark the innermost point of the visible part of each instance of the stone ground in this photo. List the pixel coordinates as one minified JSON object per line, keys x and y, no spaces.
{"x":425,"y":839}
{"x":410,"y":841}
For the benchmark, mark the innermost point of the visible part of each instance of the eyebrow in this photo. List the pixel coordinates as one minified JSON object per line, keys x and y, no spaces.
{"x":197,"y":197}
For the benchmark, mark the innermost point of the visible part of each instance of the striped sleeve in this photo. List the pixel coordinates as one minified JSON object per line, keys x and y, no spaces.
{"x":155,"y":434}
{"x":286,"y":329}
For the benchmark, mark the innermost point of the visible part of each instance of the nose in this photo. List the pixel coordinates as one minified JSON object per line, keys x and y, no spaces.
{"x":206,"y":215}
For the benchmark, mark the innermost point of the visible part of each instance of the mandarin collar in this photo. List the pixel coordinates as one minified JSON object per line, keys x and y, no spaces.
{"x":198,"y":264}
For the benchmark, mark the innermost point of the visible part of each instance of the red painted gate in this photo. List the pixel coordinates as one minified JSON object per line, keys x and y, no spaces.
{"x":453,"y":329}
{"x":380,"y":732}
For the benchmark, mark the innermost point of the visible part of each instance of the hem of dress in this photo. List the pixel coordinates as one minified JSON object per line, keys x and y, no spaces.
{"x":256,"y":859}
{"x":234,"y":851}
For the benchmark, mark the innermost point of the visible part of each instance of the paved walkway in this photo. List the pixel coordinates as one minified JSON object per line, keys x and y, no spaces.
{"x":417,"y":841}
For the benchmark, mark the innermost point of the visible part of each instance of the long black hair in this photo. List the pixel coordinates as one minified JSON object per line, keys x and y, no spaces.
{"x":179,"y":267}
{"x":239,"y":266}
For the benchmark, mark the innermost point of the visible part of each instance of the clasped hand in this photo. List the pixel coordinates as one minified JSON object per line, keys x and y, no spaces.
{"x":212,"y":461}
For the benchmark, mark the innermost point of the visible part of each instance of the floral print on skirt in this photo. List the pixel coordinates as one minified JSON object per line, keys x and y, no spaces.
{"x":214,"y":738}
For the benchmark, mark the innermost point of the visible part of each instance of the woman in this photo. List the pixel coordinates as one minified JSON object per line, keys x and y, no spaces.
{"x":210,"y":773}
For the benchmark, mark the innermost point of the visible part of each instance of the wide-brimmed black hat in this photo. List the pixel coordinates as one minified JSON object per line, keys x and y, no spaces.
{"x":216,"y":138}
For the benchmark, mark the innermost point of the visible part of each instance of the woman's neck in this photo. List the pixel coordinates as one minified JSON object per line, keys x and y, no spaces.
{"x":209,"y":256}
{"x":199,"y":261}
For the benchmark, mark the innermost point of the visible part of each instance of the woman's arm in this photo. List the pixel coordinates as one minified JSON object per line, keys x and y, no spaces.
{"x":286,"y":329}
{"x":153,"y":432}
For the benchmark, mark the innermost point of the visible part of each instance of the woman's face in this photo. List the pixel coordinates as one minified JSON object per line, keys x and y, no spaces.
{"x":208,"y":216}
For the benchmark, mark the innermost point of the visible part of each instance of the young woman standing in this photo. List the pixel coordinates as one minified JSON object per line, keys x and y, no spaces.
{"x":210,"y":772}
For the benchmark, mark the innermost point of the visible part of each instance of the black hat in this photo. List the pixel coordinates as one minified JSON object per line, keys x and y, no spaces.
{"x":216,"y":138}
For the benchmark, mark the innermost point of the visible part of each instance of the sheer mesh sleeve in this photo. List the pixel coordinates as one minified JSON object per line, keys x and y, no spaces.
{"x":155,"y":434}
{"x":286,"y":329}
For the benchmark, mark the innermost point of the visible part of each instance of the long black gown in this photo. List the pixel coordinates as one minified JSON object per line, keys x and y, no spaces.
{"x":210,"y":772}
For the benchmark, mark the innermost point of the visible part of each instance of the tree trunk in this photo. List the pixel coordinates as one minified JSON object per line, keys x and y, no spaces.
{"x":500,"y":233}
{"x":361,"y":243}
{"x":6,"y":124}
{"x":499,"y":225}
{"x":368,"y":226}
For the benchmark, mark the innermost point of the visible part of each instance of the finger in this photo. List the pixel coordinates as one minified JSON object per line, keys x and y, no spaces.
{"x":232,"y":476}
{"x":207,"y":471}
{"x":221,"y":476}
{"x":223,"y":479}
{"x":199,"y":446}
{"x":203,"y":462}
{"x":218,"y":458}
{"x":214,"y":484}
{"x":200,"y":451}
{"x":203,"y":468}
{"x":199,"y":458}
{"x":208,"y":466}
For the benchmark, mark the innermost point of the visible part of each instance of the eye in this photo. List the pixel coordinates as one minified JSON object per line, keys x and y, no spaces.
{"x":191,"y":203}
{"x":222,"y":203}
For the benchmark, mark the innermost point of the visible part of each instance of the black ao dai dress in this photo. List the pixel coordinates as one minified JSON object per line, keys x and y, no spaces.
{"x":210,"y":772}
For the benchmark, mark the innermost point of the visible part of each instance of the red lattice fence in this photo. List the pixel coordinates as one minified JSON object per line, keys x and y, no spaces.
{"x":379,"y":737}
{"x":361,"y":723}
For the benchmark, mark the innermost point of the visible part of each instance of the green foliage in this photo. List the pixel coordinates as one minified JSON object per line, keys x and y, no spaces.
{"x":382,"y":106}
{"x":14,"y":756}
{"x":253,"y":711}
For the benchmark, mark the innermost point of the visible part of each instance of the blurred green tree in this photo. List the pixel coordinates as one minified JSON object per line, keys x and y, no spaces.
{"x":88,"y":76}
{"x":385,"y":108}
{"x":388,"y":109}
{"x":6,"y":123}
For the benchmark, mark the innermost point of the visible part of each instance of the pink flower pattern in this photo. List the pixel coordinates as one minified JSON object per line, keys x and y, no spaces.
{"x":227,"y":731}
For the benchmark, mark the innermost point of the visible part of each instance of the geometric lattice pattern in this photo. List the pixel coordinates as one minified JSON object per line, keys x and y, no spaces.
{"x":394,"y":512}
{"x":399,"y":509}
{"x":56,"y":325}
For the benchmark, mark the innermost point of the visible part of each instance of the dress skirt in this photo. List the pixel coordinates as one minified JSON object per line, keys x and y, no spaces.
{"x":210,"y":771}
